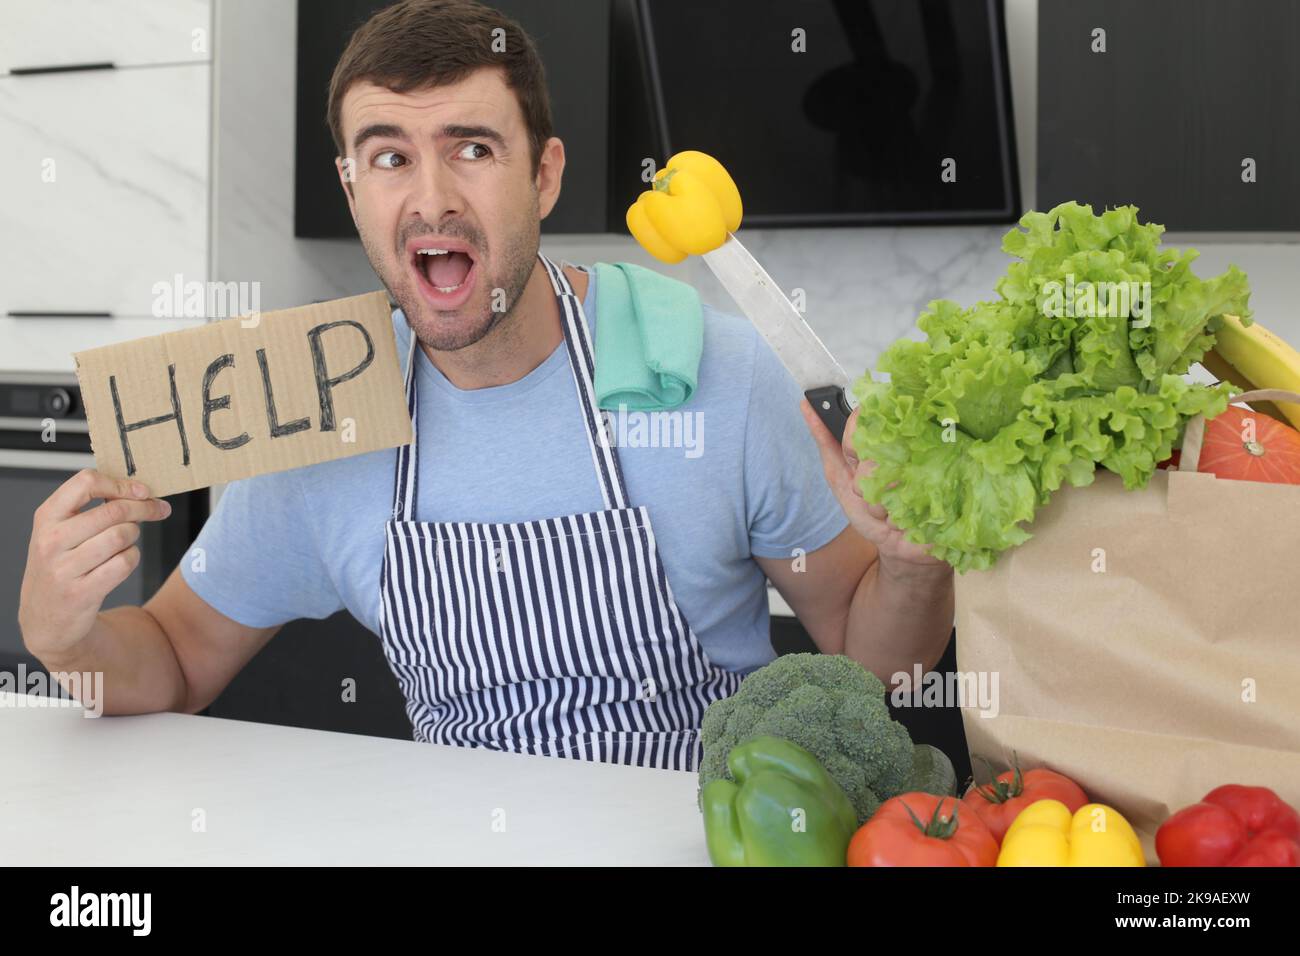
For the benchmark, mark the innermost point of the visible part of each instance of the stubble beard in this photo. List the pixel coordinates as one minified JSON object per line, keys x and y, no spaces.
{"x":456,"y":330}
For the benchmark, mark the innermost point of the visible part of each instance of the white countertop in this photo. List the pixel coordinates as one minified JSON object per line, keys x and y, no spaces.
{"x":777,"y":605}
{"x":126,"y":791}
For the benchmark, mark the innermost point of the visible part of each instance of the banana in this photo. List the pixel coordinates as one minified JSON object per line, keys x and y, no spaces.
{"x":1253,"y":357}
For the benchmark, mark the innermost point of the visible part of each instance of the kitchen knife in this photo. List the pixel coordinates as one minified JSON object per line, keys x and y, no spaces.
{"x":824,"y":382}
{"x":693,"y":208}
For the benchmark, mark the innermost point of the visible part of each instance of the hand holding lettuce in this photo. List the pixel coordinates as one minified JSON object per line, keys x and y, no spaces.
{"x":1078,"y":363}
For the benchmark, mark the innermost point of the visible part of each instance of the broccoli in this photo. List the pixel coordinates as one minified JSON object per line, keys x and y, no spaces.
{"x":828,"y":704}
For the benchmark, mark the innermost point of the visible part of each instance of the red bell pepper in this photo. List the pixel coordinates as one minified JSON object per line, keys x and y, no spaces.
{"x":1232,"y":826}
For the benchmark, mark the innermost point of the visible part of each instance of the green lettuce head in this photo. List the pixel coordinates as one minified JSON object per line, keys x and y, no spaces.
{"x":1079,"y":362}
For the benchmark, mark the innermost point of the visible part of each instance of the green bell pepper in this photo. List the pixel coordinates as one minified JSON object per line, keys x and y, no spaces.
{"x":783,"y":809}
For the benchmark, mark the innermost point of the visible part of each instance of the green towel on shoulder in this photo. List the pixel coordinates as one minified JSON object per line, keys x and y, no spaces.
{"x":649,"y":338}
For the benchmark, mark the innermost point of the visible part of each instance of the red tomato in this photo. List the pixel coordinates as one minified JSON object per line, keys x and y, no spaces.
{"x":1000,"y":802}
{"x":921,"y":829}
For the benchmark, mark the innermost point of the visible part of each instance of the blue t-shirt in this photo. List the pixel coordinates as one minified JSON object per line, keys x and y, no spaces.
{"x":744,"y":480}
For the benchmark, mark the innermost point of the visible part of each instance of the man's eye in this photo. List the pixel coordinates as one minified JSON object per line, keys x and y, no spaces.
{"x":391,"y":162}
{"x":486,"y":151}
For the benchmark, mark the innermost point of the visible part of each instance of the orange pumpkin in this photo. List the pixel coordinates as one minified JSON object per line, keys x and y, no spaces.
{"x":1271,"y":453}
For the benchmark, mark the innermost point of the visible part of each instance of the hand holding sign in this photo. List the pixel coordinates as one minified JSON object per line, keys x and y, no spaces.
{"x":232,"y":399}
{"x":75,"y":558}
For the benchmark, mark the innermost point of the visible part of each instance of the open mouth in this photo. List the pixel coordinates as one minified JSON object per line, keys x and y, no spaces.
{"x":445,"y":275}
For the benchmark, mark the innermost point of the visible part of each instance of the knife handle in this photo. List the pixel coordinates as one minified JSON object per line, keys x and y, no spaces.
{"x":831,"y":407}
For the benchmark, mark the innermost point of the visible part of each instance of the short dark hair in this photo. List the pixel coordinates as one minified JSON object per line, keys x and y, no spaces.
{"x":417,"y":44}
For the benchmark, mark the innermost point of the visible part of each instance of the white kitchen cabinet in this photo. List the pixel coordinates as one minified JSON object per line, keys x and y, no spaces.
{"x":45,"y":33}
{"x":106,"y":186}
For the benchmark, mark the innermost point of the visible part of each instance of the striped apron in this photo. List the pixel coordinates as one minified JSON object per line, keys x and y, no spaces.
{"x":557,"y":637}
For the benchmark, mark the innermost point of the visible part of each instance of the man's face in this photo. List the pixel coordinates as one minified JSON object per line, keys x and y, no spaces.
{"x":448,"y":168}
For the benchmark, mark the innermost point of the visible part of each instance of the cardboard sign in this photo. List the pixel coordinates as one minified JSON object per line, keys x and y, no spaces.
{"x":244,"y":396}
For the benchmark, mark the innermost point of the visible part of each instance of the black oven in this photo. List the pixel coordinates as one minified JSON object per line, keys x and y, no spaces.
{"x":43,"y":443}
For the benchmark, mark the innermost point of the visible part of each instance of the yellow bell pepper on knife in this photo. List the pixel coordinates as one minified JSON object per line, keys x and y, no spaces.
{"x":692,"y":205}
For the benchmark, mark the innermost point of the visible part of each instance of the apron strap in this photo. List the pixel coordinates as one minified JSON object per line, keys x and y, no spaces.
{"x":577,"y":337}
{"x":408,"y":467}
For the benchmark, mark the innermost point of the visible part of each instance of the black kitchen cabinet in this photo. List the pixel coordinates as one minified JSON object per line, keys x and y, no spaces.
{"x":1187,"y":97}
{"x":298,"y":680}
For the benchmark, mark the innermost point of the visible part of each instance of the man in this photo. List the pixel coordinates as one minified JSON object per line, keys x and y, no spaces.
{"x":535,"y":589}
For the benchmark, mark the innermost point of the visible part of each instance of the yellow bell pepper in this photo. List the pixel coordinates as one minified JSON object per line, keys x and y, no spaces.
{"x":692,"y":205}
{"x":1045,"y":834}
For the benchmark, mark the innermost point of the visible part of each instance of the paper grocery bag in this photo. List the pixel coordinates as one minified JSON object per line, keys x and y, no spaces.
{"x":1145,"y":643}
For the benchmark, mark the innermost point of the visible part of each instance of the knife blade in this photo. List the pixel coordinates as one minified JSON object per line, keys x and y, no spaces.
{"x":824,"y":382}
